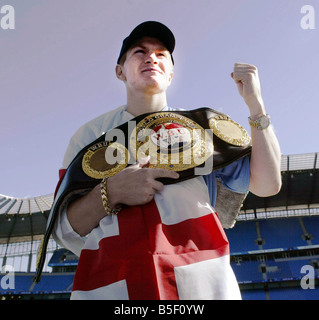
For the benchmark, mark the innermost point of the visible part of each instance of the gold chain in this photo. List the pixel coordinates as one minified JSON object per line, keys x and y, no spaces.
{"x":105,"y":200}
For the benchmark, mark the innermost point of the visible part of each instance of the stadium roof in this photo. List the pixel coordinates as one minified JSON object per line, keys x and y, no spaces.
{"x":25,"y":206}
{"x":300,"y":186}
{"x":25,"y":219}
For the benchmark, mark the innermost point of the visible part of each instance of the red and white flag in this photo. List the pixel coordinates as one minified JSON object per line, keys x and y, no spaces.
{"x":162,"y":250}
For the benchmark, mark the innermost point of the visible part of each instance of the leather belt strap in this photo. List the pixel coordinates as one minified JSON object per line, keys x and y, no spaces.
{"x":184,"y":141}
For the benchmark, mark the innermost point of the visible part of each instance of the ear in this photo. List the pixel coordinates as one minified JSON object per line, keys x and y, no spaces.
{"x":170,"y":77}
{"x":119,"y":72}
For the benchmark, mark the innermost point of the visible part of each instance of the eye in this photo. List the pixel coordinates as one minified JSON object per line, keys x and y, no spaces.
{"x":139,"y":51}
{"x":163,"y":54}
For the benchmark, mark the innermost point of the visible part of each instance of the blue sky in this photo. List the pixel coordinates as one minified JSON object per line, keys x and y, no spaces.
{"x":57,"y":72}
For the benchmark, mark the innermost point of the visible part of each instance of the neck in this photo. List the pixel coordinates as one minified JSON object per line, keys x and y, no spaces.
{"x":142,"y":103}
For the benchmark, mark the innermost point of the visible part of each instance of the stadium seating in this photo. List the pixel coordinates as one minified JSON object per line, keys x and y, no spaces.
{"x":278,"y":234}
{"x":256,"y":294}
{"x":293,"y":294}
{"x":50,"y":283}
{"x":312,"y":227}
{"x":273,"y":269}
{"x":238,"y":242}
{"x":63,"y":257}
{"x":54,"y":283}
{"x":247,"y":271}
{"x":267,"y":269}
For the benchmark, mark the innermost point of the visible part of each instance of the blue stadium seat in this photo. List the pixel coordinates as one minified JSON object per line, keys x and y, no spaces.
{"x":312,"y":227}
{"x":278,"y":270}
{"x":63,"y":257}
{"x":256,"y":294}
{"x":22,"y":283}
{"x":281,"y":233}
{"x":296,"y":265}
{"x":242,"y":236}
{"x":50,"y":283}
{"x":247,"y":271}
{"x":54,"y":283}
{"x":294,"y":293}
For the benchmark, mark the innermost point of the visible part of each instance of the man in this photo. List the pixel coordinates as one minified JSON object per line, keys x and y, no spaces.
{"x":166,"y":241}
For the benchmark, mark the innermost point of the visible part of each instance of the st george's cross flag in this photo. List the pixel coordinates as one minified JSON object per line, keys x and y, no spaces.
{"x":158,"y":251}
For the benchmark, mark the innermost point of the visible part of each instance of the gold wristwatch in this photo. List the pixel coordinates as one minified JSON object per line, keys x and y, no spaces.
{"x":261,"y":123}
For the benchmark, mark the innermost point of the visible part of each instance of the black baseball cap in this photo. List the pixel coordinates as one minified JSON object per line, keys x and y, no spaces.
{"x":152,"y":29}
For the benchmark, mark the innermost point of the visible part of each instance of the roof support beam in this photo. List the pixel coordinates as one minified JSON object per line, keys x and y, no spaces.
{"x":313,"y":177}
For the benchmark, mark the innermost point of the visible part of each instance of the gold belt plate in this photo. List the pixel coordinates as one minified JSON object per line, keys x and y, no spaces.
{"x":105,"y":159}
{"x":228,"y":130}
{"x":172,"y":141}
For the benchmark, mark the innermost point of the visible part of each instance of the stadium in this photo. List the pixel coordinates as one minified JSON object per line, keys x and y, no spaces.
{"x":274,"y":244}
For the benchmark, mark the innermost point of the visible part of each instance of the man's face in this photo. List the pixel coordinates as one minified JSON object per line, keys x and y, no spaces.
{"x":148,"y":67}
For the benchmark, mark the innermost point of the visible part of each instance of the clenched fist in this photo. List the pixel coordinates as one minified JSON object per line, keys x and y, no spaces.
{"x":247,"y":80}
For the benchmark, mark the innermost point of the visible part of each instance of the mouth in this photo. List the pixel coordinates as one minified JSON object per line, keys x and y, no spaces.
{"x":151,"y":70}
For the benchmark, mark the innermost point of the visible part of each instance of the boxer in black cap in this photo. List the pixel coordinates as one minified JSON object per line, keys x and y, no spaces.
{"x":151,"y":29}
{"x":164,"y":242}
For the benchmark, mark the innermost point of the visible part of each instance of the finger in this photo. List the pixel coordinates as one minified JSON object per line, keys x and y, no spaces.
{"x":236,"y":77}
{"x":157,"y":186}
{"x":243,"y":76}
{"x":238,"y":80}
{"x":244,"y":65}
{"x":247,"y":73}
{"x":164,"y":173}
{"x":244,"y":71}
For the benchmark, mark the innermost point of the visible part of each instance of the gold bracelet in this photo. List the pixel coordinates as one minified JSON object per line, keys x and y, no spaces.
{"x":105,"y":200}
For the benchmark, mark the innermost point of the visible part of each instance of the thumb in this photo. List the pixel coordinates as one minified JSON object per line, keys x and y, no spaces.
{"x":236,"y":79}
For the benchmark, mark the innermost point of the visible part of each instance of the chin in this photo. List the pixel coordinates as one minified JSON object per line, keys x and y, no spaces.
{"x":153,"y":85}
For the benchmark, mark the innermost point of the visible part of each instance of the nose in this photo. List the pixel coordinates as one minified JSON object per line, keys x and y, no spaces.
{"x":151,"y":58}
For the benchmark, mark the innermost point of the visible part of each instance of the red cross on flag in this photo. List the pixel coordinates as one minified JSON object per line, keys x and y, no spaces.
{"x":144,"y":253}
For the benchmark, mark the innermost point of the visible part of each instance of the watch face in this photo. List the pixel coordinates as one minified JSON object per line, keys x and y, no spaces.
{"x":264,"y":122}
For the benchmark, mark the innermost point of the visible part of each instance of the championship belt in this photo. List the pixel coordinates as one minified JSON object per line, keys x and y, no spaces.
{"x":191,"y":143}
